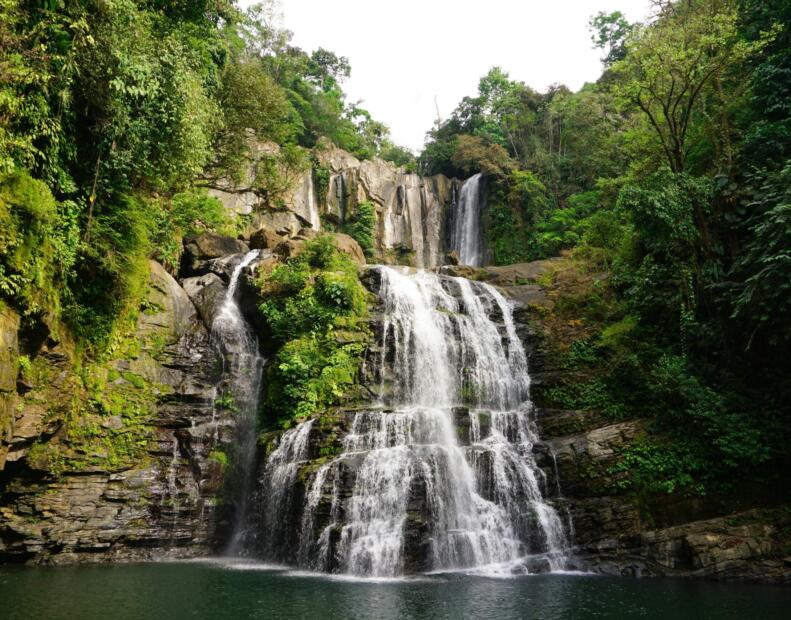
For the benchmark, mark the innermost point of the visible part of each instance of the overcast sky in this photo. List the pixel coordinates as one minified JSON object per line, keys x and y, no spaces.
{"x":406,"y":53}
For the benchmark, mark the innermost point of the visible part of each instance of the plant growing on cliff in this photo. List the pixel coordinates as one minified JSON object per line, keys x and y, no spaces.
{"x":187,"y":213}
{"x":314,"y":306}
{"x":38,"y":239}
{"x":362,"y":226}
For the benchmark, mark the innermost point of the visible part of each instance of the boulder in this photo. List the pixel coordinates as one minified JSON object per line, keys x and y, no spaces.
{"x":265,"y":238}
{"x":289,"y":248}
{"x":349,"y":246}
{"x":170,"y":309}
{"x":207,"y":292}
{"x":199,"y":250}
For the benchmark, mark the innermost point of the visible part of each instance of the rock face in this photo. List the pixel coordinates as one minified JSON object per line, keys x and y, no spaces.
{"x":168,"y":501}
{"x":9,"y":352}
{"x":619,"y":534}
{"x":412,"y":212}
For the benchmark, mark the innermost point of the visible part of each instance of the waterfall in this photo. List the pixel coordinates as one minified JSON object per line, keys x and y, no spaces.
{"x":467,"y":236}
{"x":409,"y":490}
{"x":242,"y":370}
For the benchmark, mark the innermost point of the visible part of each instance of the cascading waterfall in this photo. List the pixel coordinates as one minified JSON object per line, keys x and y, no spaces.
{"x":407,"y":493}
{"x":242,"y":371}
{"x":467,"y":237}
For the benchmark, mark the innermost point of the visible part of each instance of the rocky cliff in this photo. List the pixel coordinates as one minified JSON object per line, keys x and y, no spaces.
{"x":116,"y":460}
{"x":412,"y":212}
{"x":128,"y":456}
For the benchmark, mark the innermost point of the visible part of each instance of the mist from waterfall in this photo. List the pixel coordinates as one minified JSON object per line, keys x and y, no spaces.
{"x":467,"y":234}
{"x":449,"y":352}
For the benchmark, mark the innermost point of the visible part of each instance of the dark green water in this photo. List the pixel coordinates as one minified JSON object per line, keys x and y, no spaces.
{"x":219,"y":592}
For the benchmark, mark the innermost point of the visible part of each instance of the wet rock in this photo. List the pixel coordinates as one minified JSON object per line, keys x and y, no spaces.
{"x":461,"y":422}
{"x":417,"y":530}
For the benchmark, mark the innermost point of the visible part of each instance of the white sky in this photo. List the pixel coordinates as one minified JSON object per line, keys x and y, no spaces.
{"x":404,"y":53}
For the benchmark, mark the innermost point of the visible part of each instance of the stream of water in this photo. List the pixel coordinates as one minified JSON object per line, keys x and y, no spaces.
{"x":243,"y":366}
{"x":467,"y":236}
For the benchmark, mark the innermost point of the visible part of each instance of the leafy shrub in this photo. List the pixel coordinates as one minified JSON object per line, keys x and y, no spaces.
{"x":309,"y":374}
{"x":762,"y":298}
{"x":112,"y":271}
{"x":305,"y":300}
{"x":38,"y":241}
{"x":361,"y":227}
{"x":186,"y":213}
{"x":650,"y":467}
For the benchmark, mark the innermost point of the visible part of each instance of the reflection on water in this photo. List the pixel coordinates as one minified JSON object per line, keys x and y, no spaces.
{"x":220,"y":590}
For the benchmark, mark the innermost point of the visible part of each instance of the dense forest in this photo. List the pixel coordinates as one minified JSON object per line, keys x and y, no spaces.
{"x":115,"y":115}
{"x":671,"y":174}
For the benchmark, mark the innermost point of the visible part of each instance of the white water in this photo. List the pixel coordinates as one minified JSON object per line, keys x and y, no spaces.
{"x":467,"y":239}
{"x":447,"y":342}
{"x":242,"y":370}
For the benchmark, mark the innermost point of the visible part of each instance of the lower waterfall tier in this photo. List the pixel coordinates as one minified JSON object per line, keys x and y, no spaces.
{"x":440,"y":473}
{"x":410,"y":490}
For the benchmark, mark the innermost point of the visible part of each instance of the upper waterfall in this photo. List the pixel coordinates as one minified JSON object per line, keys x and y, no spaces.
{"x":405,"y":490}
{"x":447,"y":350}
{"x":467,"y":235}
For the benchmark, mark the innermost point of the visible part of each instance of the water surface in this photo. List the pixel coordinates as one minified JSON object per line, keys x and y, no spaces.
{"x":221,"y":590}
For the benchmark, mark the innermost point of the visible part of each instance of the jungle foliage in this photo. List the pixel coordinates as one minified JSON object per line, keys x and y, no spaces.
{"x":670,"y":174}
{"x":314,"y":307}
{"x":115,"y":115}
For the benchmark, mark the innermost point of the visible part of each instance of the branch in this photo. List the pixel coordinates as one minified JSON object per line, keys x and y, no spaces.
{"x":658,"y":129}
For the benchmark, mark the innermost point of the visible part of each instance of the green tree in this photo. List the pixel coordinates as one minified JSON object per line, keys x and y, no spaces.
{"x":609,"y":32}
{"x":672,"y":60}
